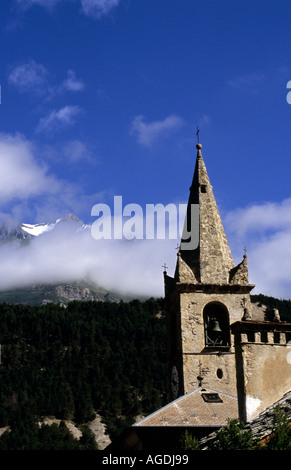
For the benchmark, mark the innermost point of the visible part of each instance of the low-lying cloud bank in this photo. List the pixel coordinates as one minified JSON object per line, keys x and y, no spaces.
{"x":134,"y":267}
{"x":131,"y":267}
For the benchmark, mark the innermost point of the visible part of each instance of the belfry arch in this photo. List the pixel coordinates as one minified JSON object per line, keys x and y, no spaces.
{"x":216,"y":325}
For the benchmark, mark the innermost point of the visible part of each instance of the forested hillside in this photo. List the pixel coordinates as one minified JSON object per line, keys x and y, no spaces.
{"x":69,"y":362}
{"x":284,"y":306}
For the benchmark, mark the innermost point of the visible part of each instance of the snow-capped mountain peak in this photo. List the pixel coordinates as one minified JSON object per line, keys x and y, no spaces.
{"x":37,"y":229}
{"x":25,"y":230}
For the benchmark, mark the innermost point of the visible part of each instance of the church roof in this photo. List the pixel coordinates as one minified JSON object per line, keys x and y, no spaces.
{"x":261,"y":426}
{"x":202,"y":407}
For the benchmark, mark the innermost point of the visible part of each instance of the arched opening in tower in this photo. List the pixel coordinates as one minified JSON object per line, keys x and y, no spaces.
{"x":216,"y":325}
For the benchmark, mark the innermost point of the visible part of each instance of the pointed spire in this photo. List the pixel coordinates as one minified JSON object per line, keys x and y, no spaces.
{"x":240,"y":274}
{"x":210,"y":260}
{"x":183,"y":272}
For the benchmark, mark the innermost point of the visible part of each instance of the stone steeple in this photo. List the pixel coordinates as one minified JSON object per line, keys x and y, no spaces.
{"x":210,"y":260}
{"x":207,"y":294}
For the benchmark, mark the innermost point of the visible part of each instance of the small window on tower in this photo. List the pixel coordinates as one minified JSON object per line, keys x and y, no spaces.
{"x":203,"y":188}
{"x":219,"y":373}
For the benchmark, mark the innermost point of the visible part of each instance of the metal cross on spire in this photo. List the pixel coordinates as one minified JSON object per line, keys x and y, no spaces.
{"x":165,"y":267}
{"x":200,"y":376}
{"x":197,"y":134}
{"x":200,"y":367}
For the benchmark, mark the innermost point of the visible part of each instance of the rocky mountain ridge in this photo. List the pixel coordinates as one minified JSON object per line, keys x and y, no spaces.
{"x":60,"y":294}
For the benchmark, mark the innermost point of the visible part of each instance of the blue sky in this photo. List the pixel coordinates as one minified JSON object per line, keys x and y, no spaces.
{"x":102,"y":98}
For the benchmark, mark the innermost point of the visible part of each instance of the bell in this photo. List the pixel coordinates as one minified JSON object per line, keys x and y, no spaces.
{"x":216,"y":328}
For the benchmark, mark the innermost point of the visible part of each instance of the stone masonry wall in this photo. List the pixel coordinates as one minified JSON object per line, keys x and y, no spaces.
{"x":216,"y":366}
{"x":265,"y":372}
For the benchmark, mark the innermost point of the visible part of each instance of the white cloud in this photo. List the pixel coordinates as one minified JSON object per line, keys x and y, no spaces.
{"x":29,"y":77}
{"x":247,"y":80}
{"x":135,"y":267}
{"x":32,"y":77}
{"x":72,"y":83}
{"x":94,"y":8}
{"x":131,"y":267}
{"x":98,"y":8}
{"x":76,"y":151}
{"x":261,"y":218}
{"x":265,"y":229}
{"x":21,"y":175}
{"x":57,"y":119}
{"x":148,"y":133}
{"x":270,"y":261}
{"x":28,"y":187}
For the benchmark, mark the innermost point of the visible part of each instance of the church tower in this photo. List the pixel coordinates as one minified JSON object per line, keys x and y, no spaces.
{"x":206,"y":295}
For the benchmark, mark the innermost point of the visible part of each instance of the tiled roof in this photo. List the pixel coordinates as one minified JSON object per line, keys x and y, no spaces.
{"x":192,"y":409}
{"x":261,"y":426}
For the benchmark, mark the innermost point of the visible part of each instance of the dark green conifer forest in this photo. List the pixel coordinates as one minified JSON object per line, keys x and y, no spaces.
{"x":90,"y":357}
{"x":71,"y":362}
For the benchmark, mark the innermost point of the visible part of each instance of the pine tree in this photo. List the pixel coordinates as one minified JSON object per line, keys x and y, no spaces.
{"x":189,"y":442}
{"x":280,"y":438}
{"x":234,"y":437}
